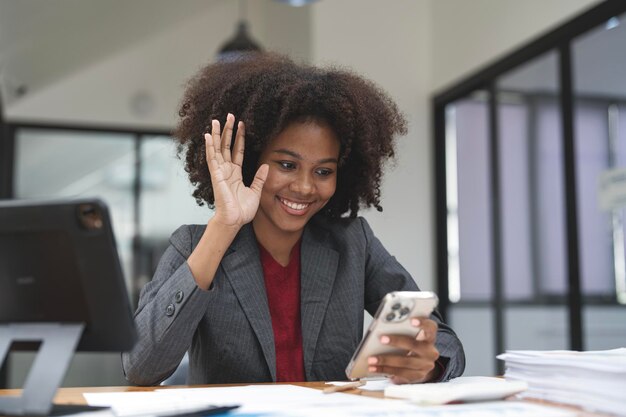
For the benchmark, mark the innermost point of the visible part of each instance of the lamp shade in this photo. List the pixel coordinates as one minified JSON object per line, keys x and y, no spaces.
{"x":240,"y":44}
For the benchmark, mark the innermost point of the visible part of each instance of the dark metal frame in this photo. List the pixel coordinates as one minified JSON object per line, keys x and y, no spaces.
{"x":558,"y":40}
{"x":574,"y":301}
{"x":496,"y":210}
{"x":6,"y":174}
{"x":7,"y":145}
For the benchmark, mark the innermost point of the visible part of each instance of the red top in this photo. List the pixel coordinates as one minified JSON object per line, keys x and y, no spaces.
{"x":282,"y":285}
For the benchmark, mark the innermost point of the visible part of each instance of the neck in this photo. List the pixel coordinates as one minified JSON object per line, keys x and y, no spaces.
{"x":278,"y":244}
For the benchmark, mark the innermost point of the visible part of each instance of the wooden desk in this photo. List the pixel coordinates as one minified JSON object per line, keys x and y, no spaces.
{"x":75,"y":395}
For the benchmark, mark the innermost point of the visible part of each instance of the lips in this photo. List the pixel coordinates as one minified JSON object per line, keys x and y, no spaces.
{"x":293,"y":206}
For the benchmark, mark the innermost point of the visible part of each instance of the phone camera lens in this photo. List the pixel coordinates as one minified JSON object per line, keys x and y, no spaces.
{"x":90,"y":217}
{"x":405,"y":311}
{"x":396,"y":306}
{"x":390,"y":316}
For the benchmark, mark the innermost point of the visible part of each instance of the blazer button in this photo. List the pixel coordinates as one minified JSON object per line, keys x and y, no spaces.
{"x":179,"y":296}
{"x":169,"y":311}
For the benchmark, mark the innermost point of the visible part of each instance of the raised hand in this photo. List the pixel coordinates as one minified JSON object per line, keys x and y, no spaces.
{"x":235,"y":204}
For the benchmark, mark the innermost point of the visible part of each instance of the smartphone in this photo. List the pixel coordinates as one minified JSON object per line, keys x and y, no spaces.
{"x":393,"y":317}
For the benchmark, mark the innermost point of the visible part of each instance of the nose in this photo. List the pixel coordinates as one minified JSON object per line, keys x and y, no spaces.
{"x":303,"y":185}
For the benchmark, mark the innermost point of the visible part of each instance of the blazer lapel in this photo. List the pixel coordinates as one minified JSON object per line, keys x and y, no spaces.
{"x":242,"y":266}
{"x":318,"y":265}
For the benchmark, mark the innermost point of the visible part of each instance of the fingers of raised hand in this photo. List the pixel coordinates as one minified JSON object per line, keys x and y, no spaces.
{"x":226,"y":137}
{"x":217,"y":141}
{"x":259,"y":178}
{"x":239,"y":144}
{"x":210,"y":149}
{"x":211,"y":159}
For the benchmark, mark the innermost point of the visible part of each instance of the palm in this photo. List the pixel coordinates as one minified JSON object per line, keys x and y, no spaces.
{"x":235,"y":204}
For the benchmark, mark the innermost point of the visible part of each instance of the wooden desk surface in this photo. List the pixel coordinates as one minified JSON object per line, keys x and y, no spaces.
{"x":75,"y":395}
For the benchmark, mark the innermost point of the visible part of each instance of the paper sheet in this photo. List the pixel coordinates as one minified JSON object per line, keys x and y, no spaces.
{"x":289,"y":400}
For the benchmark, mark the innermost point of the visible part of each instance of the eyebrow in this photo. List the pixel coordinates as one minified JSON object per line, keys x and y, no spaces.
{"x":298,"y":156}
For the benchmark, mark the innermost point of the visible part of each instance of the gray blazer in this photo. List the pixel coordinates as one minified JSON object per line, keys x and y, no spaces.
{"x":228,"y":331}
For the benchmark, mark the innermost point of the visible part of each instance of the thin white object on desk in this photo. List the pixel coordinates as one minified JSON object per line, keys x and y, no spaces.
{"x":465,"y":389}
{"x":374,"y":384}
{"x":331,"y":389}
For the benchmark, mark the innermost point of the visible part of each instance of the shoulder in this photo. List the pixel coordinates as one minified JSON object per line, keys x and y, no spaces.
{"x":186,"y":237}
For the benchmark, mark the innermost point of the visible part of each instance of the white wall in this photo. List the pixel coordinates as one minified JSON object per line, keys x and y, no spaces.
{"x":390,"y":43}
{"x":469,"y":34}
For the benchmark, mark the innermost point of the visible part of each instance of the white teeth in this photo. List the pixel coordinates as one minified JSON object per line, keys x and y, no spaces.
{"x":295,"y":206}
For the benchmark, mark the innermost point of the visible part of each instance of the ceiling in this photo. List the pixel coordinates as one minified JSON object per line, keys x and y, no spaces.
{"x":44,"y":41}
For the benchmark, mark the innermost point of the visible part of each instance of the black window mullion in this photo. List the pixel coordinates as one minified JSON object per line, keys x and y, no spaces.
{"x":135,"y":279}
{"x":441,"y":208}
{"x":530,"y":102}
{"x":496,"y":235}
{"x":571,"y":210}
{"x":7,"y":154}
{"x":7,"y":141}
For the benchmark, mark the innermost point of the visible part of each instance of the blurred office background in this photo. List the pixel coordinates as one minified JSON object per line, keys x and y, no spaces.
{"x":90,"y":90}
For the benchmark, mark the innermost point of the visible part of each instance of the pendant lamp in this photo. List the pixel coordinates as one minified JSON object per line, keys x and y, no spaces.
{"x":241,"y":43}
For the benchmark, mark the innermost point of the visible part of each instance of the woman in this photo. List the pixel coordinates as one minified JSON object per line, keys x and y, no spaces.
{"x":274,"y":286}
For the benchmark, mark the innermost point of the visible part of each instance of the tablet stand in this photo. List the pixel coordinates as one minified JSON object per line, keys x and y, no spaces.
{"x":58,"y":342}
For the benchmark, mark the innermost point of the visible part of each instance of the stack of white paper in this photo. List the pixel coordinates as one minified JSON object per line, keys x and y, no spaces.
{"x":593,"y":380}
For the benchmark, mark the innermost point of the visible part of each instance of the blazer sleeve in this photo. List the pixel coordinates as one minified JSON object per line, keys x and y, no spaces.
{"x":385,"y":274}
{"x":170,"y":308}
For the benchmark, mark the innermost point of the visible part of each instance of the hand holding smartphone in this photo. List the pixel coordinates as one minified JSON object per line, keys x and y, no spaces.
{"x":393,"y":317}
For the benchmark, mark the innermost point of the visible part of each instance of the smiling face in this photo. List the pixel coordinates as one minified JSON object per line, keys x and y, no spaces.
{"x":302,"y":177}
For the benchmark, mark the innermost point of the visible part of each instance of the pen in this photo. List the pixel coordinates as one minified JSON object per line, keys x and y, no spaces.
{"x":345,"y":387}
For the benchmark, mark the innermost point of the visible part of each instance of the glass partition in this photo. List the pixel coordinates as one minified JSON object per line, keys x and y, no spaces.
{"x":469,"y":232}
{"x":165,"y":203}
{"x":532,"y":186}
{"x":468,"y":197}
{"x":540,"y":245}
{"x":53,"y":163}
{"x":599,"y":68}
